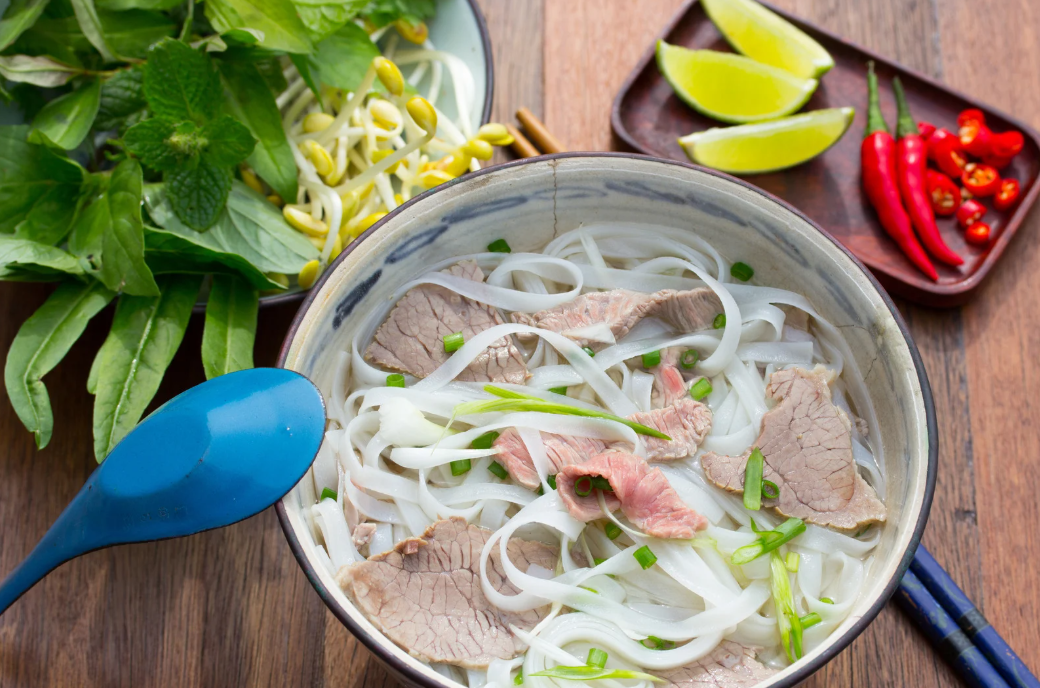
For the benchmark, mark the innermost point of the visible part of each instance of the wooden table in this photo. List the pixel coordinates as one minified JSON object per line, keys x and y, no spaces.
{"x":231,"y":607}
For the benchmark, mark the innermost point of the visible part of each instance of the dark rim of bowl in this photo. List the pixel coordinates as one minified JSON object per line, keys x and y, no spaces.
{"x":802,"y":672}
{"x":485,"y":117}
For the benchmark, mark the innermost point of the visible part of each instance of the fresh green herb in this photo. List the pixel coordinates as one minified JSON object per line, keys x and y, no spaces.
{"x":792,"y":562}
{"x":826,"y":600}
{"x":700,"y":389}
{"x":382,"y":12}
{"x":598,"y":560}
{"x":597,"y":658}
{"x":558,"y":390}
{"x":326,"y":493}
{"x":787,"y":618}
{"x":770,"y":490}
{"x":769,"y":541}
{"x":654,"y":643}
{"x":753,"y":480}
{"x":645,"y":557}
{"x":498,"y":470}
{"x":689,"y":359}
{"x":460,"y":467}
{"x":395,"y":380}
{"x":651,"y":359}
{"x":518,"y":680}
{"x":742,"y":271}
{"x":601,"y":483}
{"x":591,"y":673}
{"x":589,"y":351}
{"x":499,"y":246}
{"x":810,"y":620}
{"x":65,"y":121}
{"x":484,"y":441}
{"x":551,"y":479}
{"x":583,"y":486}
{"x":275,"y":24}
{"x":592,"y":590}
{"x":453,"y":342}
{"x":612,"y":530}
{"x":230,"y":328}
{"x":719,"y":322}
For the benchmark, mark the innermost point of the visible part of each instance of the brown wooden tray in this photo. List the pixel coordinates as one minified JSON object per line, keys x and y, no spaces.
{"x":649,"y":117}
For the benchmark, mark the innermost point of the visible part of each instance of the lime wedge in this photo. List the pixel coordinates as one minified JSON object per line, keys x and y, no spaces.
{"x":763,"y":35}
{"x":768,"y":146}
{"x":731,"y":88}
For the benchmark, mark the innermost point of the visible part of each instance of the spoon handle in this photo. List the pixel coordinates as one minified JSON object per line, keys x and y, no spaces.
{"x":45,"y":557}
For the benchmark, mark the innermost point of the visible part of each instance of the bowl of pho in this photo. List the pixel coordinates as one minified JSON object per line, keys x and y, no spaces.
{"x":605,"y":418}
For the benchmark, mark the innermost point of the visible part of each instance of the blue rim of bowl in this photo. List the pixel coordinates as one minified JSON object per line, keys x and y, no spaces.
{"x":485,"y":117}
{"x":408,"y":673}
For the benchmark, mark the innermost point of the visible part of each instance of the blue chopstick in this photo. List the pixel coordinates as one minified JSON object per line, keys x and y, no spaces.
{"x":943,"y":631}
{"x":971,"y":621}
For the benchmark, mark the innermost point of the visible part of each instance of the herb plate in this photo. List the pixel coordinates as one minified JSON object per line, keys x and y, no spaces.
{"x":648,"y":116}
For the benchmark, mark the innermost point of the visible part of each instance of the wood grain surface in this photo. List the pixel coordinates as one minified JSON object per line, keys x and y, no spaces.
{"x":231,"y":607}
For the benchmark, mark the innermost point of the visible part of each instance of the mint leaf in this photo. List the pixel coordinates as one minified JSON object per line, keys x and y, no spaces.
{"x":227,"y":142}
{"x":230,"y":329}
{"x":324,"y":17}
{"x":181,"y":83}
{"x":199,"y":193}
{"x":122,"y":100}
{"x":22,"y":260}
{"x":342,"y":59}
{"x":19,"y":16}
{"x":65,"y":121}
{"x":275,"y":19}
{"x":382,"y":12}
{"x":148,"y":140}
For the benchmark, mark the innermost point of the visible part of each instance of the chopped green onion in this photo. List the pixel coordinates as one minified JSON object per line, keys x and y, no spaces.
{"x":792,"y":562}
{"x":612,"y":530}
{"x":753,"y":480}
{"x":652,"y":642}
{"x":601,"y":483}
{"x":583,"y":486}
{"x":769,"y":541}
{"x":719,"y":322}
{"x":786,"y":617}
{"x":597,"y":658}
{"x":591,"y":673}
{"x":559,"y":390}
{"x":395,"y":380}
{"x":510,"y":402}
{"x":700,"y":389}
{"x":541,"y":491}
{"x":326,"y":493}
{"x":810,"y":620}
{"x":689,"y":358}
{"x":651,"y":359}
{"x":453,"y":342}
{"x":588,"y":350}
{"x":499,"y":246}
{"x":826,"y":600}
{"x":484,"y":441}
{"x":645,"y":557}
{"x":459,"y":467}
{"x":551,"y":479}
{"x":770,"y":490}
{"x":498,"y":470}
{"x":592,"y":590}
{"x":742,"y":271}
{"x":519,"y":680}
{"x":598,"y":560}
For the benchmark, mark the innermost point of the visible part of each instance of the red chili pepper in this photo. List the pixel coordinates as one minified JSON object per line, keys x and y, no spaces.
{"x":944,"y":194}
{"x":1008,"y":144}
{"x":978,"y":234}
{"x":971,"y":115}
{"x":927,"y":129}
{"x":969,"y":213}
{"x":878,"y":166}
{"x":944,"y":148}
{"x":1007,"y":195}
{"x":976,"y":138}
{"x":995,"y":161}
{"x":910,"y":173}
{"x":981,"y":180}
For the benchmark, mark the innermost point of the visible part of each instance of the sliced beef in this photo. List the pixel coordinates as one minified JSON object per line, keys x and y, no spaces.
{"x":425,"y":594}
{"x":363,"y":533}
{"x":412,"y":338}
{"x":669,"y":384}
{"x":620,"y":309}
{"x":807,"y":446}
{"x":686,"y":422}
{"x":643,"y":494}
{"x":730,"y":665}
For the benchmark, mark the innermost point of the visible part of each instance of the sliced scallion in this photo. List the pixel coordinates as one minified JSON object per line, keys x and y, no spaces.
{"x":558,"y":390}
{"x":591,"y":673}
{"x":583,"y":486}
{"x":499,"y":246}
{"x":689,"y":358}
{"x":498,"y":470}
{"x":742,"y":271}
{"x":598,"y":560}
{"x":786,"y":617}
{"x":460,"y":467}
{"x":770,"y":490}
{"x":519,"y":680}
{"x":700,"y":389}
{"x":551,"y":479}
{"x":589,"y":351}
{"x":792,"y":562}
{"x":810,"y":620}
{"x":768,"y":541}
{"x":597,"y":658}
{"x":453,"y":342}
{"x":601,"y":483}
{"x":651,"y":359}
{"x":826,"y":600}
{"x":326,"y":493}
{"x":612,"y":530}
{"x":719,"y":322}
{"x":652,"y":642}
{"x":753,"y":480}
{"x":645,"y":557}
{"x":484,"y":441}
{"x":592,"y":590}
{"x":395,"y":380}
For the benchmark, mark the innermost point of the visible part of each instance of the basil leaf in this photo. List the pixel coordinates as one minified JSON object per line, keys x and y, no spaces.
{"x":181,"y":83}
{"x":90,"y":25}
{"x":166,"y":252}
{"x":109,"y":234}
{"x":271,"y":70}
{"x":250,"y":226}
{"x":38,"y":71}
{"x":22,"y":260}
{"x":324,"y":17}
{"x":122,"y":101}
{"x":65,"y":121}
{"x":248,"y":98}
{"x":382,"y":12}
{"x":343,"y":58}
{"x":145,"y":334}
{"x":230,"y":329}
{"x":19,"y":16}
{"x":55,"y":37}
{"x":148,"y":141}
{"x":119,"y":5}
{"x":228,"y":142}
{"x":133,"y":32}
{"x":303,"y":66}
{"x":42,"y":341}
{"x":198,"y":194}
{"x":276,"y":19}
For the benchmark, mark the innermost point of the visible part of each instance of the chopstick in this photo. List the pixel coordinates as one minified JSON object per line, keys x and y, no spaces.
{"x":974,"y":625}
{"x":521,"y":146}
{"x":542,"y":139}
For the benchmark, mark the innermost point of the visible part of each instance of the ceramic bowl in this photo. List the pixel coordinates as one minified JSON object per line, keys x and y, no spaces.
{"x":528,"y":202}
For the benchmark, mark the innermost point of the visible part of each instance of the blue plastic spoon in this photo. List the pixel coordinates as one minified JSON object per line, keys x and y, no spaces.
{"x":214,"y":455}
